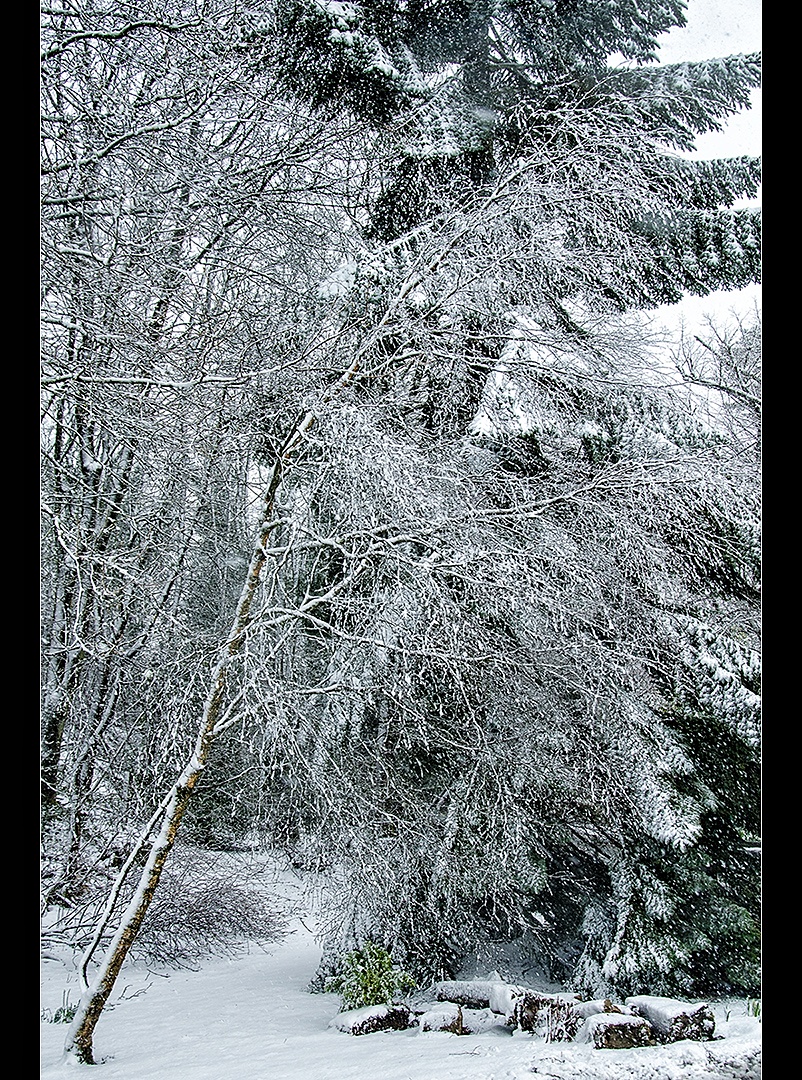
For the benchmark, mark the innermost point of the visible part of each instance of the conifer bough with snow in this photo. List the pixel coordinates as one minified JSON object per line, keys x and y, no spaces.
{"x":491,"y":665}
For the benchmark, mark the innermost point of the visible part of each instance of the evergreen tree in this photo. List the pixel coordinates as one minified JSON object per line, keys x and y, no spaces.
{"x":461,"y":92}
{"x":540,"y":142}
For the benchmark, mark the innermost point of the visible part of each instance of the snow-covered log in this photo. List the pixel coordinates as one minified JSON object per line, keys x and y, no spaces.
{"x":372,"y":1018}
{"x":458,"y":1020}
{"x":551,"y":1015}
{"x":675,"y":1020}
{"x":616,"y":1031}
{"x":600,"y":1005}
{"x":473,"y":994}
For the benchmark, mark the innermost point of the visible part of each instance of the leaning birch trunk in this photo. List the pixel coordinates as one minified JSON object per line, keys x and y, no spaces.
{"x":79,"y":1038}
{"x":78,"y":1046}
{"x":79,"y":1043}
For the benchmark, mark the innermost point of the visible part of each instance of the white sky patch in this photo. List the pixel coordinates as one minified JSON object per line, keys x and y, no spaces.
{"x":693,"y":314}
{"x":716,"y":28}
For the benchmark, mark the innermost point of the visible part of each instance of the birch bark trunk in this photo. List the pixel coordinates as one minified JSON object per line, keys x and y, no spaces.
{"x":79,"y":1042}
{"x":167,"y":820}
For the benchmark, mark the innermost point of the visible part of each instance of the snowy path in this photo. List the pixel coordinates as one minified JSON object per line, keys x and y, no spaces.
{"x":251,"y":1018}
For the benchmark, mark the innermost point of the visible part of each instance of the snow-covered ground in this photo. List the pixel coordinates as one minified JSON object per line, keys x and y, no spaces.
{"x":251,"y":1018}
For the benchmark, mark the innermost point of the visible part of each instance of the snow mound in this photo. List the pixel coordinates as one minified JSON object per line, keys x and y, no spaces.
{"x":679,"y":1061}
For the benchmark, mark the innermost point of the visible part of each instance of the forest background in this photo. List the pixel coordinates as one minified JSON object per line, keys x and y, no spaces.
{"x":375,"y":296}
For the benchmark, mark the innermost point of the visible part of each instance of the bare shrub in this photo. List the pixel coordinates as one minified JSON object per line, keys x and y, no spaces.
{"x":210,"y":904}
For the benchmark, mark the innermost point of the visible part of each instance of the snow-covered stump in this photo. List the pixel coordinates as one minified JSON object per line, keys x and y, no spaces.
{"x":371,"y":1018}
{"x":616,"y":1031}
{"x":675,"y":1020}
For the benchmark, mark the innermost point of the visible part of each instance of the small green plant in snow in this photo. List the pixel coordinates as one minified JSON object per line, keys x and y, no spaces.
{"x":369,"y":977}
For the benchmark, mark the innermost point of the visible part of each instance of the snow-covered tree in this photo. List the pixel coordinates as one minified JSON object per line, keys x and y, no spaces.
{"x":187,"y":211}
{"x":527,"y":183}
{"x":351,"y":277}
{"x":491,"y":744}
{"x":463,"y":93}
